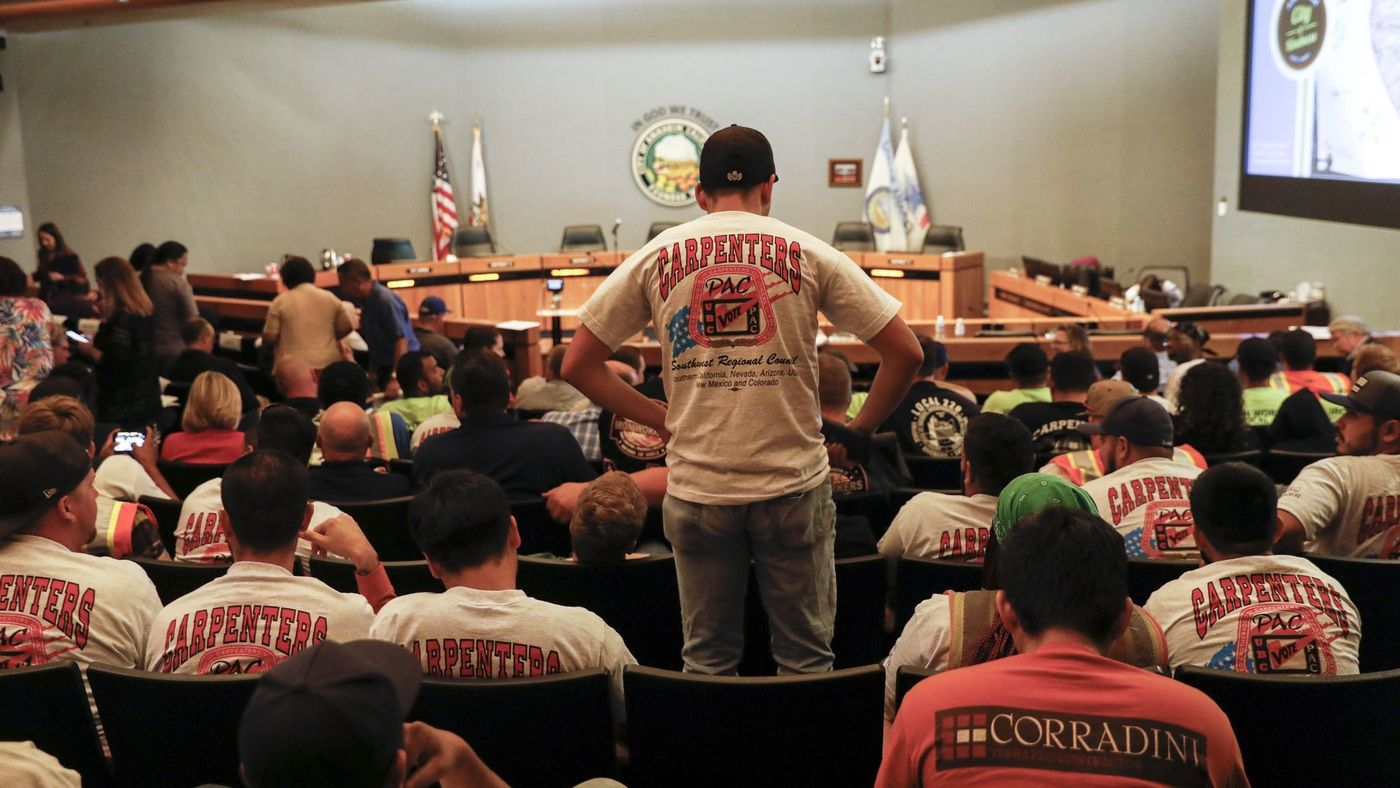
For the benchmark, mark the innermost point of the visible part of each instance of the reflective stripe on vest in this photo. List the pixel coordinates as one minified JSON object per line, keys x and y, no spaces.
{"x":383,"y":446}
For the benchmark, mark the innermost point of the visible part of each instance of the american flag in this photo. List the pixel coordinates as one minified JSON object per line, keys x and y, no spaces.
{"x":444,"y":205}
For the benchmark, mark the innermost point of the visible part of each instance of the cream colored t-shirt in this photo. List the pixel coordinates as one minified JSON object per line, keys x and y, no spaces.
{"x":734,"y":297}
{"x":1348,"y":506}
{"x":307,"y":321}
{"x":934,"y":525}
{"x":1149,"y":503}
{"x":200,"y":535}
{"x":1268,"y":614}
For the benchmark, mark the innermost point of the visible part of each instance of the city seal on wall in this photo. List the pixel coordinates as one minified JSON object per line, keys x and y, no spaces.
{"x":666,"y":160}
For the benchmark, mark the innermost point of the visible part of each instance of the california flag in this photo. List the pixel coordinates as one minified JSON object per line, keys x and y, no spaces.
{"x":480,"y":215}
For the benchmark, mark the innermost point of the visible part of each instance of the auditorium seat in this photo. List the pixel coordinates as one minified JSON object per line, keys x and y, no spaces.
{"x":403,"y":468}
{"x":407,"y":577}
{"x":548,"y":731}
{"x":1283,"y":466}
{"x":859,"y":632}
{"x":658,"y":228}
{"x":853,"y":237}
{"x":473,"y":242}
{"x":934,"y":473}
{"x":1254,"y":457}
{"x":638,"y":598}
{"x":583,"y":238}
{"x":1373,"y":585}
{"x":184,"y":477}
{"x":905,"y":677}
{"x":1352,"y":721}
{"x":167,"y":514}
{"x":1146,"y":575}
{"x":816,"y":729}
{"x":917,"y":579}
{"x":385,"y":523}
{"x":166,"y":729}
{"x":174,"y":579}
{"x":388,"y":250}
{"x":49,"y":706}
{"x":940,"y":238}
{"x":539,"y":533}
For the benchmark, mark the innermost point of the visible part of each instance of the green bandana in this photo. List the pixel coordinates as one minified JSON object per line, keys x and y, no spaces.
{"x":1032,"y":492}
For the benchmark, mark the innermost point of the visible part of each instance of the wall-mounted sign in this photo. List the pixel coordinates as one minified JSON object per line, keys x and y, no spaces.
{"x":843,"y":172}
{"x":666,"y":154}
{"x":11,"y":221}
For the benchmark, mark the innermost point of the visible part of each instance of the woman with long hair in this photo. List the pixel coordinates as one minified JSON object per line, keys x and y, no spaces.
{"x":209,"y":428}
{"x":57,"y":263}
{"x":1210,"y":413}
{"x":164,"y":280}
{"x":128,"y":390}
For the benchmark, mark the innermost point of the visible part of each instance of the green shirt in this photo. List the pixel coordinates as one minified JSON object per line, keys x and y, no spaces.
{"x":1004,"y":401}
{"x":1261,"y":405}
{"x":416,"y":410}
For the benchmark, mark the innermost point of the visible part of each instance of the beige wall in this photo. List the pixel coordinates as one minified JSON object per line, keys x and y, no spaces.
{"x":14,"y":180}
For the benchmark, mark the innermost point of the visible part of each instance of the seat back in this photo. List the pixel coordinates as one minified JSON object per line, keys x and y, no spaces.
{"x":1359,"y":726}
{"x":859,"y":637}
{"x":917,"y":579}
{"x":905,"y":677}
{"x":1373,"y":586}
{"x":184,"y":476}
{"x":385,"y":523}
{"x":49,"y":706}
{"x":407,"y":577}
{"x":940,"y":238}
{"x":167,"y":514}
{"x":568,"y":714}
{"x":154,"y":720}
{"x":1283,"y":466}
{"x":387,"y":250}
{"x":539,"y":533}
{"x":174,"y":579}
{"x":403,"y":468}
{"x":638,"y":598}
{"x":814,"y":729}
{"x":473,"y":241}
{"x":853,"y":237}
{"x":583,"y":238}
{"x":1202,"y":294}
{"x":1146,"y":575}
{"x":933,"y":473}
{"x":1254,"y":457}
{"x":658,"y":228}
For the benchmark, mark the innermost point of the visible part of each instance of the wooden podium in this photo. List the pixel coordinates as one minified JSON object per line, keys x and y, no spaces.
{"x":929,"y":285}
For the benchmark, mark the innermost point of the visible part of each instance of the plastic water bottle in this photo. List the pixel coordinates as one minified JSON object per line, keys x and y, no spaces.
{"x":959,"y":328}
{"x":938,"y":324}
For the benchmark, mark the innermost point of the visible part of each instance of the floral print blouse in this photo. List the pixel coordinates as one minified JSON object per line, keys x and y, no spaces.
{"x":25,"y":353}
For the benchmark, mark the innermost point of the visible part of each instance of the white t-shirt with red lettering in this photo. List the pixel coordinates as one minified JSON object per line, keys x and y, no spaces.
{"x":200,"y":538}
{"x":734,"y":298}
{"x":434,"y":425}
{"x":1149,"y":503}
{"x":1348,"y":506}
{"x":251,"y":619}
{"x":935,"y":525}
{"x":1268,"y":614}
{"x":472,"y":633}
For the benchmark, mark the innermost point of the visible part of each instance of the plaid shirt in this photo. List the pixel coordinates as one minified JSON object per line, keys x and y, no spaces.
{"x":584,"y":425}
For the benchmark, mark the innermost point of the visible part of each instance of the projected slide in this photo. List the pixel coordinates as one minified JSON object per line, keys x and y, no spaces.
{"x":1324,"y":90}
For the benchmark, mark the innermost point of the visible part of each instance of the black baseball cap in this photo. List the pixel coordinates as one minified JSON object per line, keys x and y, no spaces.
{"x":329,"y":715}
{"x":737,"y":156}
{"x":1138,"y":419}
{"x":1197,"y":334}
{"x":37,"y":469}
{"x":1141,"y":368}
{"x":1376,"y":393}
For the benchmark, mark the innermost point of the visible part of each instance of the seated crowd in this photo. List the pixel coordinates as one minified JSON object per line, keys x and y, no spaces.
{"x":1123,"y":473}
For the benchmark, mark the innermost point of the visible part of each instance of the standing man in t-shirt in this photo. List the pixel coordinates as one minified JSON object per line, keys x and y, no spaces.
{"x":384,"y":322}
{"x":1347,"y":505}
{"x":734,"y":297}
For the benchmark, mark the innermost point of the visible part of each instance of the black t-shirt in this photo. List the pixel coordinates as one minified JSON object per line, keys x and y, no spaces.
{"x":190,"y":363}
{"x":354,"y":480}
{"x":1054,"y":425}
{"x":527,"y":458}
{"x":628,"y":446}
{"x":931,"y":420}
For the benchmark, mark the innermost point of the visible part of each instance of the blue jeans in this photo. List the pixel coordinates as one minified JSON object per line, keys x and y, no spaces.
{"x":790,"y":542}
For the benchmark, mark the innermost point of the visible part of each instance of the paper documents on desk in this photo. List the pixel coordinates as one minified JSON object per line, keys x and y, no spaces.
{"x":517,"y":325}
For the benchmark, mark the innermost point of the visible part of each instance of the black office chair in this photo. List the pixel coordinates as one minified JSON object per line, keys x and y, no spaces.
{"x":184,"y":476}
{"x":1283,"y":466}
{"x":174,"y":579}
{"x":388,"y":250}
{"x":1202,"y":294}
{"x":473,"y":242}
{"x":152,"y":721}
{"x":550,"y":731}
{"x":385,"y":524}
{"x":917,"y":579}
{"x":407,"y":577}
{"x":583,"y":238}
{"x":1146,"y":575}
{"x":905,"y":678}
{"x":942,"y":238}
{"x":934,"y":473}
{"x":1244,"y":299}
{"x":638,"y":598}
{"x":539,"y":533}
{"x":167,"y":514}
{"x":658,"y":228}
{"x":1253,"y":457}
{"x":1372,"y":585}
{"x":853,"y":237}
{"x":817,"y":729}
{"x":49,"y":706}
{"x":1358,"y":731}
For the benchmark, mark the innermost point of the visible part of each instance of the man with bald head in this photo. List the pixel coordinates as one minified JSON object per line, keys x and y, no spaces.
{"x":344,"y":474}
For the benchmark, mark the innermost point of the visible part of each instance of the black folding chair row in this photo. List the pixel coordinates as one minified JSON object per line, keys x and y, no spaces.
{"x":859,"y":636}
{"x":931,"y":473}
{"x":167,"y":514}
{"x":184,"y":477}
{"x":1373,"y":585}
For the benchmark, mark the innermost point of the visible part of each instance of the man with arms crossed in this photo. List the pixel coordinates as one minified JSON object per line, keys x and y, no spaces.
{"x":734,"y":296}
